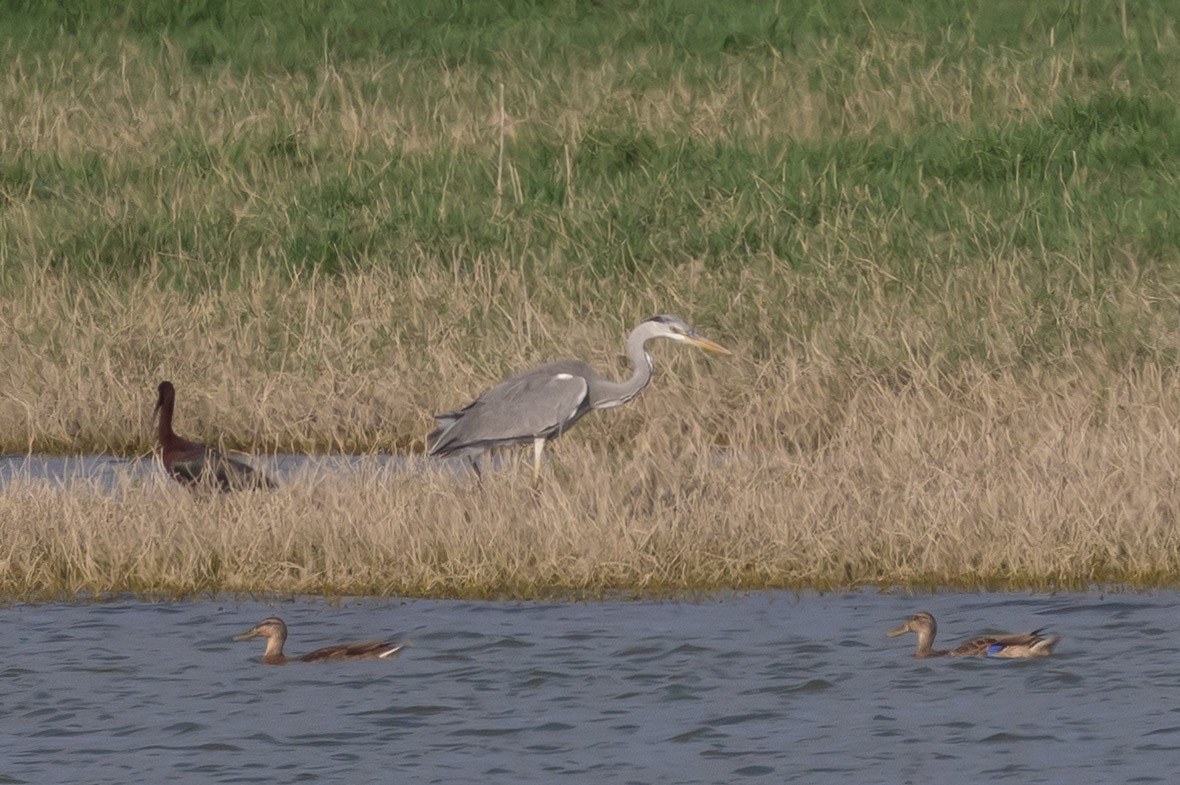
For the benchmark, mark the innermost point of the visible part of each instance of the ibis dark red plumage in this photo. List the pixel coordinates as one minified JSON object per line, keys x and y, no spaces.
{"x":195,"y":464}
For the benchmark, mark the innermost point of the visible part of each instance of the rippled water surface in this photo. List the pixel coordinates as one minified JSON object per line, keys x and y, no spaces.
{"x":767,"y":687}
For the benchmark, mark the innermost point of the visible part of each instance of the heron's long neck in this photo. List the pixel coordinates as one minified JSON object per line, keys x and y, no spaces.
{"x":641,"y":368}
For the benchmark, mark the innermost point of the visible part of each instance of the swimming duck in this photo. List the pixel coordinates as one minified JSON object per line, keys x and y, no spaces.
{"x":193,"y":463}
{"x":275,"y":631}
{"x":1024,"y":644}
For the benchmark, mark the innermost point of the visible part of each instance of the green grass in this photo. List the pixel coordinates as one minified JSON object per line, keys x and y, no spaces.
{"x":639,"y":136}
{"x":833,"y":152}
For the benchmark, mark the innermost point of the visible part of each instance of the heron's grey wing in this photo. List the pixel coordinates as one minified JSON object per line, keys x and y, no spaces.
{"x":536,"y":404}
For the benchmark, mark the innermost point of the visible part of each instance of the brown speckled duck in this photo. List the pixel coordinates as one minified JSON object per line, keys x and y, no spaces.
{"x":1024,"y":644}
{"x":275,"y":631}
{"x":193,"y":463}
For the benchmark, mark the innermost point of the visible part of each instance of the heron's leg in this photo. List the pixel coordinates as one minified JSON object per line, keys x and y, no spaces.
{"x":538,"y":447}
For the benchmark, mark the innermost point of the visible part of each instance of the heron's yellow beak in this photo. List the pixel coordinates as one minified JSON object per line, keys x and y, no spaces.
{"x":706,"y":344}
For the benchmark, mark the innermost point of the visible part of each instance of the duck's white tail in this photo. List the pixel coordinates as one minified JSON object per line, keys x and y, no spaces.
{"x":1043,"y":648}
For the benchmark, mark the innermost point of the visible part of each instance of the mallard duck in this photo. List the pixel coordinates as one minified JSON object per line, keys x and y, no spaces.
{"x":1024,"y":644}
{"x":275,"y":631}
{"x":193,"y":463}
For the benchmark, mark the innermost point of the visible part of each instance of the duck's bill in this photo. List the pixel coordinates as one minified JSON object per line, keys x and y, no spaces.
{"x":707,"y":345}
{"x":902,"y":630}
{"x":247,"y":635}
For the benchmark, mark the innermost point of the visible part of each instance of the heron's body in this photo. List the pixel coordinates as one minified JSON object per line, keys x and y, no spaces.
{"x":560,"y":392}
{"x":275,"y":632}
{"x":542,"y":403}
{"x":1017,"y":645}
{"x":195,"y":464}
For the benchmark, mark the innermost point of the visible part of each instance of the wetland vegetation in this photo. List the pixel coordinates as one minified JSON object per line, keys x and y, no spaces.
{"x":942,"y":243}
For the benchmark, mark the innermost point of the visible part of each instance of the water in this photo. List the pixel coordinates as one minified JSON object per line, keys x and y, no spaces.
{"x":105,"y":471}
{"x":767,"y":687}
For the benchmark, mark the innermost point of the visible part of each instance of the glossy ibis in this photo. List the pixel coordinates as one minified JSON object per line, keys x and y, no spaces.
{"x":195,"y":464}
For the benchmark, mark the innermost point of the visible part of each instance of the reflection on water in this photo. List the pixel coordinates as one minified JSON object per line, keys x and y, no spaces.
{"x":767,"y":687}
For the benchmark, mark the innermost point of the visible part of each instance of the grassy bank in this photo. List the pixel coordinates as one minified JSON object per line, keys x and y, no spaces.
{"x":942,"y":243}
{"x":960,"y":489}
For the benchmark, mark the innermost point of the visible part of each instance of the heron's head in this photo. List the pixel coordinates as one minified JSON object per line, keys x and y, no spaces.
{"x":921,"y":623}
{"x":270,"y":627}
{"x":667,"y":326}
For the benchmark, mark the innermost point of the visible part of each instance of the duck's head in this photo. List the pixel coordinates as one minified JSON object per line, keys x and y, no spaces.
{"x":272,"y":628}
{"x":921,"y":623}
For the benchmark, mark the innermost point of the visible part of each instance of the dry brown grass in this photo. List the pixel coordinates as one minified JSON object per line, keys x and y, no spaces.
{"x":353,"y":363}
{"x":359,"y":362}
{"x":848,"y":450}
{"x":980,"y":483}
{"x":943,"y":257}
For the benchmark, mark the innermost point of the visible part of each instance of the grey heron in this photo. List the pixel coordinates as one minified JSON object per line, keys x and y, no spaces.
{"x":194,"y":464}
{"x":542,"y":403}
